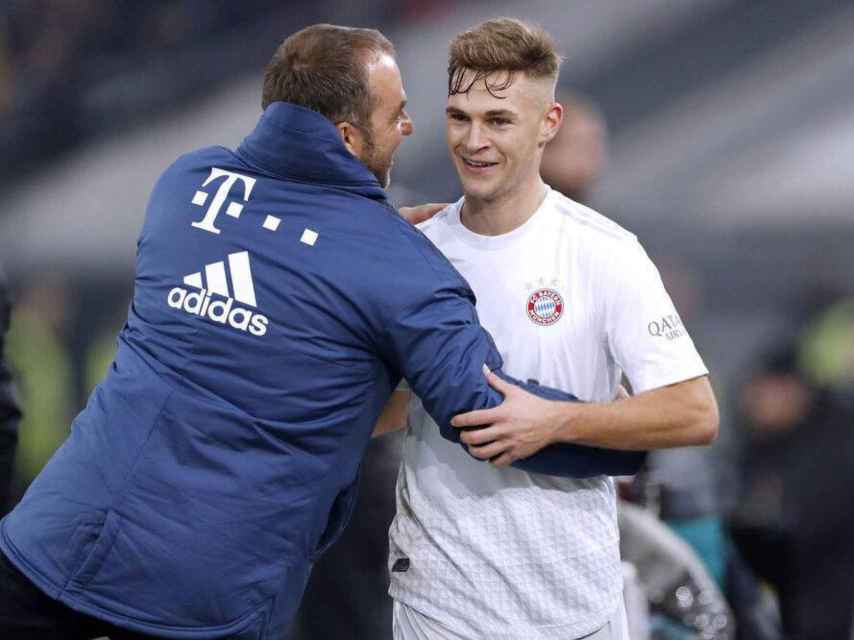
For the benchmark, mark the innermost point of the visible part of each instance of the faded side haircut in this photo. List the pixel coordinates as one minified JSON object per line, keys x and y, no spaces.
{"x":501,"y":44}
{"x":324,"y":68}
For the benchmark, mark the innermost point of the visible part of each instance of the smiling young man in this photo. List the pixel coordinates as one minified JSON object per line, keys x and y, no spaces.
{"x":490,"y":551}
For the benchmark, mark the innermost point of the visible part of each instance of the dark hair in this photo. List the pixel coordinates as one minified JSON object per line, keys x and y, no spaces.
{"x":323,"y":68}
{"x":501,"y":44}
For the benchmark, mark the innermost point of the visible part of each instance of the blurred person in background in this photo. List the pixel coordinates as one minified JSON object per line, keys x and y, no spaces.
{"x":794,"y":523}
{"x":37,"y":349}
{"x":487,"y":551}
{"x":578,"y":155}
{"x":827,"y":344}
{"x":684,"y":601}
{"x":679,"y":485}
{"x":684,"y":479}
{"x":10,"y":413}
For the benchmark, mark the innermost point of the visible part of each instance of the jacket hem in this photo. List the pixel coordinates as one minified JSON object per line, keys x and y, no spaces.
{"x":53,"y":591}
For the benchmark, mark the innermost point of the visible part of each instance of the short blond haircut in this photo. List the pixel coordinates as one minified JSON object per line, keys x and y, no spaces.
{"x":501,"y":44}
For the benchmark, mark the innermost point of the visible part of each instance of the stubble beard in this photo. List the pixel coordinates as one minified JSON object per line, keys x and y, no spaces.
{"x":379,"y":167}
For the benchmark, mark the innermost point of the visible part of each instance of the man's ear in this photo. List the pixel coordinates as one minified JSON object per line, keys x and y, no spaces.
{"x":550,"y":125}
{"x":352,"y":138}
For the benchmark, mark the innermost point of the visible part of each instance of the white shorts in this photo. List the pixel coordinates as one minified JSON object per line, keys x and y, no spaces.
{"x":408,"y":624}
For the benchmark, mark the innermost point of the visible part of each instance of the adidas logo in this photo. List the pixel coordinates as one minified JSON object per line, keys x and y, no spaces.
{"x":200,"y":303}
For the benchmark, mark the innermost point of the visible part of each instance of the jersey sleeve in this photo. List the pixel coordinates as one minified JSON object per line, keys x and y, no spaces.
{"x":645,"y":334}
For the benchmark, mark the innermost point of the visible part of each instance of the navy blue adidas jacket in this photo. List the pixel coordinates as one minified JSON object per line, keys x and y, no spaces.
{"x":278,"y":302}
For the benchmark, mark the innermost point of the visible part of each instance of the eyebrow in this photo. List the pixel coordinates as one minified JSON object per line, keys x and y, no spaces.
{"x":500,"y":113}
{"x":492,"y":113}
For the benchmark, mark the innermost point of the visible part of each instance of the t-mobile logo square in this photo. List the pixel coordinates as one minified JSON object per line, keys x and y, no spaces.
{"x":234,"y":209}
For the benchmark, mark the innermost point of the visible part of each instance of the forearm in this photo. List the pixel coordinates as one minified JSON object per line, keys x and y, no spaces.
{"x":682,"y":414}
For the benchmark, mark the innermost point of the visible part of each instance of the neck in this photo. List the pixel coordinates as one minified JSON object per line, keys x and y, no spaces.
{"x":502,"y":215}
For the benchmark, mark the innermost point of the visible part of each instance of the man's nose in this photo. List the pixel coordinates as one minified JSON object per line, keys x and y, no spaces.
{"x":474,"y":139}
{"x":407,"y":127}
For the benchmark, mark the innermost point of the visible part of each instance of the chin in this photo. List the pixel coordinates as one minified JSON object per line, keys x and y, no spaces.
{"x":383,"y":177}
{"x":474,"y":189}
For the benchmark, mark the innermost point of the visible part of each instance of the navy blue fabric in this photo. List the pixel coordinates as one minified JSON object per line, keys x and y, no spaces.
{"x":218,"y":459}
{"x":582,"y":462}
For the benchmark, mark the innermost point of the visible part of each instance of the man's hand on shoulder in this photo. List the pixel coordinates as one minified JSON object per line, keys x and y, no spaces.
{"x":517,"y":428}
{"x":421,"y":212}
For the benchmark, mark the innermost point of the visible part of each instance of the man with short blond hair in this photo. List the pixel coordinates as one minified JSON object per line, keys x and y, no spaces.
{"x":573,"y":301}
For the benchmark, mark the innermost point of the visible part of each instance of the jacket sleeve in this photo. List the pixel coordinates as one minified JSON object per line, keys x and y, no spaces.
{"x":435,"y":341}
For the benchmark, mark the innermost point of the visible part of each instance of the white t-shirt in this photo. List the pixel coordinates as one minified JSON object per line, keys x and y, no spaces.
{"x":572,"y":301}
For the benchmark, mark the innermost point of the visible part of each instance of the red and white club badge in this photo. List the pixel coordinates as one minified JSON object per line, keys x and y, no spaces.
{"x":545,"y":307}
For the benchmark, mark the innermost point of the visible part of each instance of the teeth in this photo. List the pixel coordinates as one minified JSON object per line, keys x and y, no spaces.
{"x":478,"y":164}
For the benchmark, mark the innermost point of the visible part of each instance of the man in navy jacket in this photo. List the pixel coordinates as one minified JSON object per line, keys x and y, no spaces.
{"x":278,"y":302}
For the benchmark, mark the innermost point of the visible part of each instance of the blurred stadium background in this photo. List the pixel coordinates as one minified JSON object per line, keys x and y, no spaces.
{"x":730,"y":133}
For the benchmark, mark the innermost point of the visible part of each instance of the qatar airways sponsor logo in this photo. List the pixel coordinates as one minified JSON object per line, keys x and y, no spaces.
{"x":208,"y":295}
{"x":669,"y":326}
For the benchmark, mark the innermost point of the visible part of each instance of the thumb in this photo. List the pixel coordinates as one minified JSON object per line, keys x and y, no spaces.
{"x":496,"y":382}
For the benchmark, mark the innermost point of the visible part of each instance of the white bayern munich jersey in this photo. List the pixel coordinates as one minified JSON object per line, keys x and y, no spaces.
{"x":572,"y":301}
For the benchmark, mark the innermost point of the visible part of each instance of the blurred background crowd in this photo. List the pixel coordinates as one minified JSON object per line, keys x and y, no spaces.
{"x":718,"y":131}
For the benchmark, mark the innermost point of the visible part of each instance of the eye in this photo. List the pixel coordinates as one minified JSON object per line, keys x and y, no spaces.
{"x":499,"y":122}
{"x":459,"y":117}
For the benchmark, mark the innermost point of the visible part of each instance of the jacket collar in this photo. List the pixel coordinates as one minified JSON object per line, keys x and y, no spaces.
{"x":296,"y":143}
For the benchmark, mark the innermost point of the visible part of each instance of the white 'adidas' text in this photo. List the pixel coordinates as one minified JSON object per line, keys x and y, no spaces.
{"x":201,"y":304}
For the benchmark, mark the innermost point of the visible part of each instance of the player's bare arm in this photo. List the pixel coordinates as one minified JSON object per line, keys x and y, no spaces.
{"x":681,"y":414}
{"x":393,"y":417}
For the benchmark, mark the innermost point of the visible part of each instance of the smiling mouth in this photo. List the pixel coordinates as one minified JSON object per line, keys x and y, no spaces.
{"x":477,"y":165}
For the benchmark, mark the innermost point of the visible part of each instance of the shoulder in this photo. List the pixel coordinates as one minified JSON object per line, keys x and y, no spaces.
{"x":426,"y":239}
{"x":396,"y":253}
{"x":205,"y":156}
{"x":440,"y":226}
{"x":194,"y":165}
{"x":612,"y":253}
{"x":590,"y":223}
{"x":603,"y":246}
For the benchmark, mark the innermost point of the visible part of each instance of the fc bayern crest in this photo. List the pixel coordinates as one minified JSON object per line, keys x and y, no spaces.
{"x":545,"y":307}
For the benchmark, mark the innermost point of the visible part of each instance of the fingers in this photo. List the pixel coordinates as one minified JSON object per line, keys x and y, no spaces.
{"x":484,"y":416}
{"x":497,"y":383}
{"x":420,"y":213}
{"x":432,"y":208}
{"x":480,"y":436}
{"x":476,"y":418}
{"x":488,"y":451}
{"x":504,"y":460}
